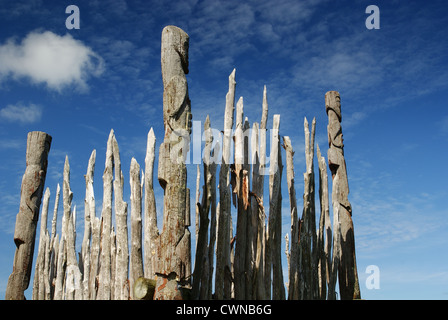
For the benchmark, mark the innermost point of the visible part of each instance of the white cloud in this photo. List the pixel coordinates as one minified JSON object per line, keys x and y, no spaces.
{"x":21,"y":113}
{"x":57,"y":61}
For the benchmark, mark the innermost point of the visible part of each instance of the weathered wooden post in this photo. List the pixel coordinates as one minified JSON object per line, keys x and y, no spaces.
{"x":89,"y":230}
{"x":275,"y":214}
{"x":201,"y":261}
{"x":293,"y":285}
{"x":342,"y":210}
{"x":136,"y":261}
{"x":104,"y":277}
{"x":121,"y":218}
{"x":174,"y":248}
{"x":324,"y":236}
{"x":33,"y":181}
{"x":151,"y":231}
{"x":307,"y":233}
{"x":258,"y":156}
{"x":39,"y":285}
{"x":222,"y":287}
{"x":242,"y":191}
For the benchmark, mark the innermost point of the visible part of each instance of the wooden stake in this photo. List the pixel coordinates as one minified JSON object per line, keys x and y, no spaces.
{"x":324,"y":235}
{"x":121,"y":221}
{"x":151,"y":231}
{"x":223,"y":268}
{"x":136,"y":269}
{"x":275,"y":217}
{"x":293,"y":283}
{"x":104,"y":286}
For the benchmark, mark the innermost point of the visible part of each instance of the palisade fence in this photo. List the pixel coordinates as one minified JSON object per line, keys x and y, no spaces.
{"x":148,"y":263}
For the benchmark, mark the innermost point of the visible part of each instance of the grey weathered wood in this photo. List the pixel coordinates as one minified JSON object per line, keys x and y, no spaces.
{"x":307,"y":232}
{"x":69,"y":262}
{"x":259,"y":271}
{"x":324,"y":236}
{"x":121,"y":218}
{"x":174,"y":252}
{"x":89,"y":217}
{"x":201,"y":259}
{"x":293,"y":283}
{"x":258,"y":172}
{"x":54,"y":244}
{"x":113,"y":264}
{"x":288,"y":259}
{"x":222,"y":287}
{"x":39,"y":271}
{"x":33,"y":181}
{"x":46,"y":268}
{"x":151,"y":231}
{"x":136,"y":261}
{"x":213,"y":223}
{"x":344,"y":242}
{"x":241,"y":190}
{"x":275,"y":218}
{"x":104,"y":278}
{"x":73,"y":286}
{"x":198,"y":181}
{"x":60,"y":274}
{"x":253,"y":269}
{"x":263,"y":126}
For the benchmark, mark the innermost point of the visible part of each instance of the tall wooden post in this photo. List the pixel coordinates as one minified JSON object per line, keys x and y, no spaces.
{"x":275,"y":215}
{"x":324,"y":236}
{"x":121,"y":218}
{"x":104,"y":277}
{"x":293,"y":291}
{"x":174,"y":249}
{"x":136,"y":261}
{"x":348,"y":275}
{"x":151,"y":231}
{"x":201,"y":262}
{"x":33,"y":181}
{"x":307,"y":233}
{"x":223,"y":270}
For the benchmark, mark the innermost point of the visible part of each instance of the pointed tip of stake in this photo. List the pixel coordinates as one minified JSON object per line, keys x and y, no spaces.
{"x":207,"y":123}
{"x":151,"y":135}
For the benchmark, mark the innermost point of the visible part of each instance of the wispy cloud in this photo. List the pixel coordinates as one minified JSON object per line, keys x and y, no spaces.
{"x":442,"y":125}
{"x":15,"y":144}
{"x":57,"y":61}
{"x":21,"y":113}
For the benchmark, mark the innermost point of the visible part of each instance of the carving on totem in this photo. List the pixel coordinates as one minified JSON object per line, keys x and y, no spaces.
{"x":174,"y":253}
{"x":344,"y":239}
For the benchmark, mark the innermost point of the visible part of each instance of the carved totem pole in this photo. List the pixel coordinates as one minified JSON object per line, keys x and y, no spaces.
{"x":174,"y":251}
{"x":344,"y":258}
{"x":33,"y":181}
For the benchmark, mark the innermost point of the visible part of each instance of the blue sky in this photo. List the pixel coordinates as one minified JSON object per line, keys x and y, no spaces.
{"x":76,"y":85}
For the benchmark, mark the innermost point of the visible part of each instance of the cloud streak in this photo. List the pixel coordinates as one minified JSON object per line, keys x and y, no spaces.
{"x":24,"y":114}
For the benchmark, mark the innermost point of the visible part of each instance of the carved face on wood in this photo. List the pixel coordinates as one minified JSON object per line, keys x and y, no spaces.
{"x":176,"y":103}
{"x":333,"y":102}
